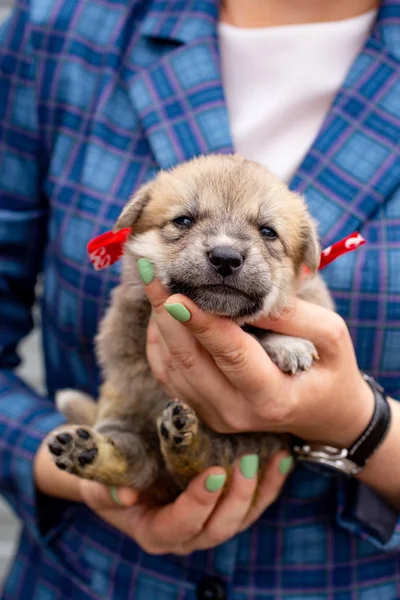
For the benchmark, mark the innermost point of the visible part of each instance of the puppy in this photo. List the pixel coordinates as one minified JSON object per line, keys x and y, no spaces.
{"x":228,"y":234}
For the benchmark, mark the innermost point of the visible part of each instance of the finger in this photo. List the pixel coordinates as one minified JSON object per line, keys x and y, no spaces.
{"x":227,"y":518}
{"x":238,"y":355}
{"x":162,"y":364}
{"x":156,"y":351}
{"x":325,"y":328}
{"x":180,"y":343}
{"x":168,"y":528}
{"x":270,"y":487}
{"x":101,"y":497}
{"x":186,"y":369}
{"x":157,"y":295}
{"x":165,"y":364}
{"x":183,"y":342}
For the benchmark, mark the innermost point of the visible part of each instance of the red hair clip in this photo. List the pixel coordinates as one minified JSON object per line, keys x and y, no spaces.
{"x":107,"y":248}
{"x":347,"y":244}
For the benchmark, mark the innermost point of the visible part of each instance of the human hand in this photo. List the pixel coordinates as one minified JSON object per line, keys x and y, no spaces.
{"x":226,"y":376}
{"x":199,"y":519}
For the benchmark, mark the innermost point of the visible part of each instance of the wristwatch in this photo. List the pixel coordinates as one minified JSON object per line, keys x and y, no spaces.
{"x":350,"y":461}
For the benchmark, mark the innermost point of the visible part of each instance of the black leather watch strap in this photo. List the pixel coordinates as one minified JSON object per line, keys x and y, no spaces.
{"x":352,"y":460}
{"x":370,"y":440}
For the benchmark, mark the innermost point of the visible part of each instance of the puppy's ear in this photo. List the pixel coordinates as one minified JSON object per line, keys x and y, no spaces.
{"x":310,"y":245}
{"x":132,"y":210}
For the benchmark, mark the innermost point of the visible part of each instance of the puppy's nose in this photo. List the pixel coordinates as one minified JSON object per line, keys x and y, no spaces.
{"x":226,"y":261}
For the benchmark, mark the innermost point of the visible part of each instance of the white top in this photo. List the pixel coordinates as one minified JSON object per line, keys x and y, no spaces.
{"x":280,"y":82}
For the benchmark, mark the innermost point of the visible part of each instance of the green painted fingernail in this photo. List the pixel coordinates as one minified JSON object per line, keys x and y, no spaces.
{"x":114,"y":495}
{"x":249,"y":465}
{"x":215,"y":482}
{"x":146,"y":270}
{"x":178,"y":312}
{"x":286,"y":465}
{"x":153,"y":315}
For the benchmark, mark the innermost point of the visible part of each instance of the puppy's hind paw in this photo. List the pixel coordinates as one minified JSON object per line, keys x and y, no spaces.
{"x":177,"y":426}
{"x":90,"y":455}
{"x":74,"y":449}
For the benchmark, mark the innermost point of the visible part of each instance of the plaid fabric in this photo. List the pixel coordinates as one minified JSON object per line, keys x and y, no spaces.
{"x":95,"y":96}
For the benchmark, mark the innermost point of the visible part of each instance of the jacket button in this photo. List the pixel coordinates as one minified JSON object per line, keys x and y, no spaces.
{"x":211,"y":588}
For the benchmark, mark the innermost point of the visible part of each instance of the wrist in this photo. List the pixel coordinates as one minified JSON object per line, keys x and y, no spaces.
{"x":381,"y":471}
{"x":352,"y":457}
{"x":342,"y":421}
{"x":356,"y":414}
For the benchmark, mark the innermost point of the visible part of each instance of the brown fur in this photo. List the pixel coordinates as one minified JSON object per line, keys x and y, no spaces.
{"x":138,"y":438}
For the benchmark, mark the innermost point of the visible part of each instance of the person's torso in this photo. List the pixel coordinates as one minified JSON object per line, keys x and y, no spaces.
{"x":129,"y":89}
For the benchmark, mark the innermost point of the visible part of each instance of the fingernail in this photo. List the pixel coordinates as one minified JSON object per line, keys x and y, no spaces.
{"x":114,"y":495}
{"x":178,"y":312}
{"x":215,"y":482}
{"x":153,"y":315}
{"x":286,"y":465}
{"x":146,"y":270}
{"x":249,"y":465}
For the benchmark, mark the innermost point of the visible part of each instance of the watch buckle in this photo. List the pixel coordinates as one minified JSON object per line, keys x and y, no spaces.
{"x":329,"y":456}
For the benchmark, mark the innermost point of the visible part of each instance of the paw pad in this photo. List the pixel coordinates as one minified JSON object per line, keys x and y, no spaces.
{"x":87,"y":456}
{"x":178,"y":425}
{"x":64,"y":438}
{"x":83,"y":434}
{"x":73,"y":450}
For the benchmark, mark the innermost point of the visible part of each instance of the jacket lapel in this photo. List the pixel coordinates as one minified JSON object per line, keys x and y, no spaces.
{"x":179,"y":96}
{"x":354,"y":163}
{"x":175,"y":84}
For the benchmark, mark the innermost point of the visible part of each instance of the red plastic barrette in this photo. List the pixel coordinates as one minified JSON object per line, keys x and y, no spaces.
{"x":347,"y":244}
{"x":107,"y":248}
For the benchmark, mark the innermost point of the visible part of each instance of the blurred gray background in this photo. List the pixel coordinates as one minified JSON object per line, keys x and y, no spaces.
{"x":32,"y":371}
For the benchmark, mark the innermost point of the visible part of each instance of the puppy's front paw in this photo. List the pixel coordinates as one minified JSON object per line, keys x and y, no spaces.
{"x":290,"y":354}
{"x":177,"y":426}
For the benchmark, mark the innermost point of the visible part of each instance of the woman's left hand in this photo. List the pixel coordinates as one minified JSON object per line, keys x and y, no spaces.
{"x":226,"y":376}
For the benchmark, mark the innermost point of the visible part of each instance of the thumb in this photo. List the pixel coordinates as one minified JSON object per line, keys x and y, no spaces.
{"x":99,"y":497}
{"x":220,"y":336}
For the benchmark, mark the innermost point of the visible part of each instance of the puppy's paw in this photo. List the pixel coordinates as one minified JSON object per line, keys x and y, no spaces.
{"x":88,"y":454}
{"x":74,"y":449}
{"x":290,"y":354}
{"x":177,"y":426}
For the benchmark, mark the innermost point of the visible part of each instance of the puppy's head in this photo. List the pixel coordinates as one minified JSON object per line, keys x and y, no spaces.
{"x":225,"y":232}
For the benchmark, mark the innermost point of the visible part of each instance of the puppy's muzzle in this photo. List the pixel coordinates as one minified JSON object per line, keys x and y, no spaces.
{"x":225,"y":260}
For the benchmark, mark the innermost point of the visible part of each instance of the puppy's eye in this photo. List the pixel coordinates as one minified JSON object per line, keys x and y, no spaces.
{"x":184,"y":222}
{"x":268,"y":233}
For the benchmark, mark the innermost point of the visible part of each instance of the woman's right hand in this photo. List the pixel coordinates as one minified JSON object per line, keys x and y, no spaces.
{"x":199,"y":519}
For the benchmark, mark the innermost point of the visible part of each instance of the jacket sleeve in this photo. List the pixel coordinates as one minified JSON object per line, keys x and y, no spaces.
{"x":363,"y":511}
{"x":25,"y":417}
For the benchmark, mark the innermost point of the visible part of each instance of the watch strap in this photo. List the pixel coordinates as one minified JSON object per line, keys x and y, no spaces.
{"x":352,"y":460}
{"x":370,"y":440}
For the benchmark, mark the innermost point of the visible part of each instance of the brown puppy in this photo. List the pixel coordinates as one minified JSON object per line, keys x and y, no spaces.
{"x":228,"y":234}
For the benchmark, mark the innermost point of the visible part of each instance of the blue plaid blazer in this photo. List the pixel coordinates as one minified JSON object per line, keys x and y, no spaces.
{"x":95,"y":97}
